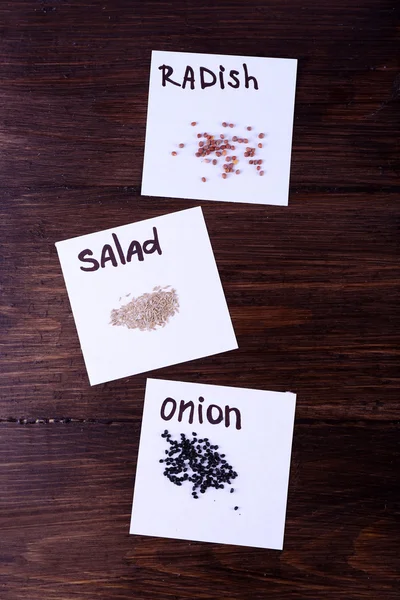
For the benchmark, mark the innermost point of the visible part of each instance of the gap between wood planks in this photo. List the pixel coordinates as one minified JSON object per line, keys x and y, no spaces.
{"x":75,"y":421}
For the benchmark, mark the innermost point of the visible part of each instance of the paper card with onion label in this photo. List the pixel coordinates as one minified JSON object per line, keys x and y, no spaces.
{"x":213,"y":464}
{"x":219,"y":127}
{"x":146,"y":295}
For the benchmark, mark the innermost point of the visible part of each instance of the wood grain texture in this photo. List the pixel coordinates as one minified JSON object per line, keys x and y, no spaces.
{"x":313,"y":291}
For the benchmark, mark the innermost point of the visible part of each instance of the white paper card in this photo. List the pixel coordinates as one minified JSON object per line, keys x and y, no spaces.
{"x":252,"y":430}
{"x":146,"y":295}
{"x":210,"y":90}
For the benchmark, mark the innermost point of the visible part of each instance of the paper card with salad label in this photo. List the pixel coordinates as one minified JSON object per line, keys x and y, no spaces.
{"x":213,"y":464}
{"x":146,"y":295}
{"x":219,"y":127}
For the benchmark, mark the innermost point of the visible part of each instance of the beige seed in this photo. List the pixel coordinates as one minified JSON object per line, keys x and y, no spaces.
{"x":148,"y":311}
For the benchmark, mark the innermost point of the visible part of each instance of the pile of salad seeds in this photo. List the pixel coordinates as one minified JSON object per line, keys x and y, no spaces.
{"x":198,"y":462}
{"x":148,"y":311}
{"x":219,"y":145}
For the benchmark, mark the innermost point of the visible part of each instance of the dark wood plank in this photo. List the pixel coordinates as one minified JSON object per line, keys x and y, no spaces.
{"x":313,"y":291}
{"x":315,"y":308}
{"x":75,"y":80}
{"x":68,"y":538}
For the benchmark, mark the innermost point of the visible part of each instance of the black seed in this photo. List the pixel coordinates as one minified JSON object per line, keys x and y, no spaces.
{"x":232,"y":490}
{"x":199,"y":464}
{"x":236,"y":507}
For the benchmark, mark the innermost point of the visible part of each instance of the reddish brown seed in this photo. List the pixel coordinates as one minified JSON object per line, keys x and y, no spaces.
{"x":224,"y":175}
{"x":207,"y":160}
{"x":258,"y":168}
{"x":237,"y":172}
{"x":198,"y":154}
{"x":181,"y":145}
{"x":240,"y":140}
{"x":203,"y":179}
{"x":261,"y":135}
{"x":224,"y":124}
{"x":251,"y":162}
{"x":249,"y":129}
{"x":174,"y":153}
{"x":234,"y":139}
{"x":231,"y":125}
{"x":246,"y":154}
{"x":193,"y":123}
{"x":228,"y":158}
{"x":260,"y":162}
{"x":201,"y":144}
{"x":218,"y":153}
{"x":199,"y":135}
{"x":214,"y":162}
{"x":261,"y":172}
{"x":221,"y":136}
{"x":246,"y":141}
{"x":260,"y":145}
{"x":233,"y":157}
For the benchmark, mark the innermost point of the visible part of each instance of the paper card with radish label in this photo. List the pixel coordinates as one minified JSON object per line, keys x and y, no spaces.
{"x":213,"y":464}
{"x":146,"y":295}
{"x":219,"y":127}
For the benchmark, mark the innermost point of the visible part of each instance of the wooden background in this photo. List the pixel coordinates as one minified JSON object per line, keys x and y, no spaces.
{"x":313,"y":291}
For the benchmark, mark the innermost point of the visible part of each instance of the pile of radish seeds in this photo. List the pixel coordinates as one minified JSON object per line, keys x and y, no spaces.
{"x":223,"y":150}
